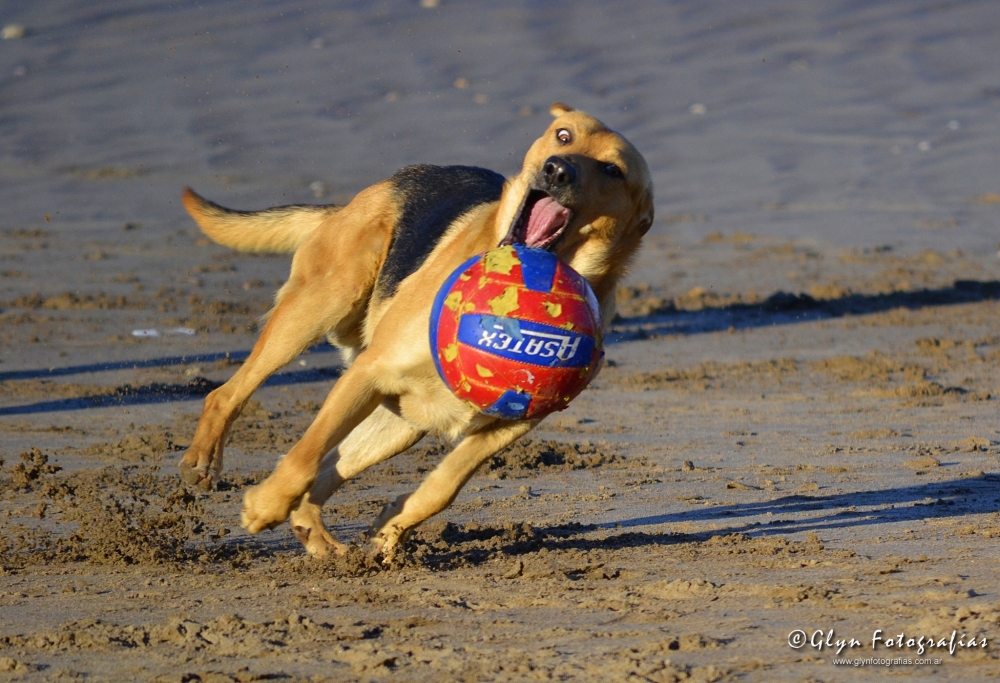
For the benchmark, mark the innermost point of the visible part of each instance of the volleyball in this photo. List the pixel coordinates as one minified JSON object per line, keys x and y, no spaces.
{"x":516,"y":332}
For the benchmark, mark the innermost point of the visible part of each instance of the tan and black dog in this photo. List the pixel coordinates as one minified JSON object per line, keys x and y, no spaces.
{"x":364,"y":275}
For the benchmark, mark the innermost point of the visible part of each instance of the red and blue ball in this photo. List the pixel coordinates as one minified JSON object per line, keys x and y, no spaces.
{"x":516,"y":333}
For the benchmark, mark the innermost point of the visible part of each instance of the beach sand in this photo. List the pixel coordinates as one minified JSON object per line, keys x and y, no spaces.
{"x":796,"y":430}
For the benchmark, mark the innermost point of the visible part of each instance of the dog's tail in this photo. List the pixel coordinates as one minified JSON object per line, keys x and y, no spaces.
{"x":278,"y":230}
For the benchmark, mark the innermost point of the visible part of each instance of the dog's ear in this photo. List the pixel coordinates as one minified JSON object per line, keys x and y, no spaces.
{"x":558,"y":109}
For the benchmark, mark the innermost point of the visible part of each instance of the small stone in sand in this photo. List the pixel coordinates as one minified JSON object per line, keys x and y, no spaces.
{"x":12,"y":32}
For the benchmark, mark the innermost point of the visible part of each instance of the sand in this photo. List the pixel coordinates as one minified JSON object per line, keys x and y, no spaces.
{"x":795,"y":431}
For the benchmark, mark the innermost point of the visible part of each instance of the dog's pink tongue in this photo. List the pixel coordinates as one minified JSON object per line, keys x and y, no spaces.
{"x":547,"y":217}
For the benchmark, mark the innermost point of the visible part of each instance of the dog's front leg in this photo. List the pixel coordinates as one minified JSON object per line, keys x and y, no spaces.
{"x":440,"y":487}
{"x":381,"y":436}
{"x":302,"y":316}
{"x":352,"y":399}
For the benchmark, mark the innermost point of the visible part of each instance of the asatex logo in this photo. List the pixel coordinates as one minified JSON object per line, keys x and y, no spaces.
{"x":525,"y":341}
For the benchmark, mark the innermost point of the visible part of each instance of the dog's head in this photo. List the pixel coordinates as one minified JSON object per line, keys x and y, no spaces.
{"x":584,"y":193}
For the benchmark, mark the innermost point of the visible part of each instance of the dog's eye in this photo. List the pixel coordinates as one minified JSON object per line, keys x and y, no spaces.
{"x":564,"y":136}
{"x":614,"y":171}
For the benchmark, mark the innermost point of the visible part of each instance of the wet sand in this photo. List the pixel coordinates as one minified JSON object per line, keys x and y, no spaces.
{"x":795,"y":431}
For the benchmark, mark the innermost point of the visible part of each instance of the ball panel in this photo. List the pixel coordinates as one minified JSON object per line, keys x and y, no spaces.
{"x":439,"y":305}
{"x":537,"y":271}
{"x":561,"y":311}
{"x":568,"y":281}
{"x":480,"y":368}
{"x":512,"y":405}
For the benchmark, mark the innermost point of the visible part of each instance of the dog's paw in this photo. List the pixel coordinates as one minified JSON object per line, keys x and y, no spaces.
{"x":318,"y":541}
{"x":201,"y":468}
{"x":202,"y":477}
{"x":384,"y":543}
{"x":387,"y":533}
{"x":263,"y":508}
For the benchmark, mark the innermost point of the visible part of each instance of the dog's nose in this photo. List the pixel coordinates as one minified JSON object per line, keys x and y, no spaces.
{"x":558,"y":172}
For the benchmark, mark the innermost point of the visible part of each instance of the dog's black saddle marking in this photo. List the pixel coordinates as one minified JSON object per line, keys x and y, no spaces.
{"x":432,"y":197}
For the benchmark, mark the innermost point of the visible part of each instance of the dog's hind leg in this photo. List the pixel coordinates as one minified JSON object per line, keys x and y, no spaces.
{"x":339,"y":252}
{"x":381,"y":436}
{"x":440,"y":487}
{"x":302,"y":316}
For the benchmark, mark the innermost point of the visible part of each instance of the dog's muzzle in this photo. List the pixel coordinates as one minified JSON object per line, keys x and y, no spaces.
{"x":542,"y":217}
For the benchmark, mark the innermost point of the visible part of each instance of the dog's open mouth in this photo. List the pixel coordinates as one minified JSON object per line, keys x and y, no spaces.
{"x":539,"y":223}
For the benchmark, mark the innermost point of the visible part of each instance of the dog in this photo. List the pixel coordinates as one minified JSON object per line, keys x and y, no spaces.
{"x":364,"y":275}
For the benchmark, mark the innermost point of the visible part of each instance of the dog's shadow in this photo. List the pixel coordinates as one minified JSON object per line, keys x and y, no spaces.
{"x":452,"y":545}
{"x":445,"y":546}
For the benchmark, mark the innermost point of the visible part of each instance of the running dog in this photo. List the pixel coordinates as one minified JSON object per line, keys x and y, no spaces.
{"x":364,"y":276}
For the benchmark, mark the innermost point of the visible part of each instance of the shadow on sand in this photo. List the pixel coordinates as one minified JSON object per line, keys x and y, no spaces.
{"x":156,"y":392}
{"x":779,"y":309}
{"x":783,"y":308}
{"x":791,"y":514}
